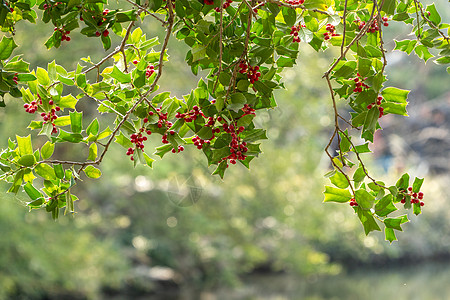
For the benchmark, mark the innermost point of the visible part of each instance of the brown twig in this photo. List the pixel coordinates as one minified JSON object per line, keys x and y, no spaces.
{"x":220,"y":46}
{"x":144,"y":9}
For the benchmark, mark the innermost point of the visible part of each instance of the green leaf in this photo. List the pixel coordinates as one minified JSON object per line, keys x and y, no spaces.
{"x":385,"y":206}
{"x":24,"y":144}
{"x":423,"y":52}
{"x":27,"y":160}
{"x":120,"y":76}
{"x":395,"y":108}
{"x":392,"y":94}
{"x":7,"y":46}
{"x":359,"y":174}
{"x":76,"y":119}
{"x":123,"y":141}
{"x":68,"y":101}
{"x":305,"y":35}
{"x":45,"y":171}
{"x":93,"y":127}
{"x":42,"y":76}
{"x":148,"y":160}
{"x":69,"y":203}
{"x":61,"y":121}
{"x":394,"y":223}
{"x":405,"y":45}
{"x":198,"y":52}
{"x":345,"y":70}
{"x":106,"y":41}
{"x":32,"y":192}
{"x":364,"y":148}
{"x":47,"y":150}
{"x":17,"y":182}
{"x":367,"y":221}
{"x":160,"y":97}
{"x":336,"y":195}
{"x":434,"y":16}
{"x":364,"y":199}
{"x":389,"y":6}
{"x":205,"y":133}
{"x":92,"y":152}
{"x":59,"y":171}
{"x":289,"y":16}
{"x":443,"y":60}
{"x":373,"y":51}
{"x":339,"y":180}
{"x":92,"y":172}
{"x":403,"y":182}
{"x":417,"y":185}
{"x":370,"y":123}
{"x":389,"y":234}
{"x":104,"y":134}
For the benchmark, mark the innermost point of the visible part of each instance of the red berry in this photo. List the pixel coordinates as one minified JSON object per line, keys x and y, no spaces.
{"x":135,"y":62}
{"x":106,"y":32}
{"x":410,"y":188}
{"x":98,"y":33}
{"x":422,"y":204}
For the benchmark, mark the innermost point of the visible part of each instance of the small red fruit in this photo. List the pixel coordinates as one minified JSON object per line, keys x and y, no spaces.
{"x":105,"y":33}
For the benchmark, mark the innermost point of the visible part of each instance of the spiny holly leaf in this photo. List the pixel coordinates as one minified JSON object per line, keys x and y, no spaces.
{"x":336,"y":195}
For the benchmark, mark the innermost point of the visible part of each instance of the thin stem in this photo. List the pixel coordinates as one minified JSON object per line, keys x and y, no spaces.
{"x":144,"y":9}
{"x":355,"y":39}
{"x":220,"y":46}
{"x":345,"y":28}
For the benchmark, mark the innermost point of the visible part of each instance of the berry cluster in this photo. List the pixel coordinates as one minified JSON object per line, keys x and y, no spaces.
{"x":374,"y":27}
{"x":377,"y":103}
{"x":252,"y":72}
{"x":65,"y":34}
{"x":294,"y":33}
{"x":330,"y":32}
{"x":415,"y":197}
{"x":137,"y":139}
{"x":248,"y":110}
{"x":162,"y":119}
{"x":49,"y":117}
{"x":149,"y":71}
{"x":225,"y":5}
{"x":295,"y":2}
{"x":105,"y":33}
{"x":46,"y":6}
{"x":15,"y":78}
{"x":359,"y":83}
{"x":353,"y":202}
{"x":190,"y":115}
{"x":198,"y":142}
{"x":31,"y":108}
{"x":237,"y":146}
{"x":180,"y":148}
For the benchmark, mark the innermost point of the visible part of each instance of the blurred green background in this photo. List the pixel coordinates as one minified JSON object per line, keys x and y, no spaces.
{"x":176,"y":232}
